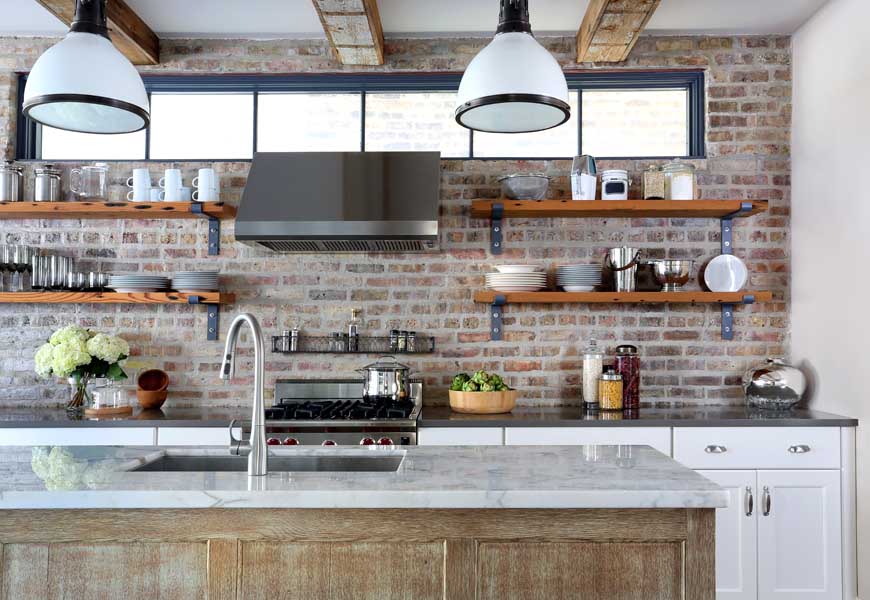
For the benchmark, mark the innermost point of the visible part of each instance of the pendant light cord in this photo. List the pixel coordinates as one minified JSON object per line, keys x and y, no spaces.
{"x":90,"y":17}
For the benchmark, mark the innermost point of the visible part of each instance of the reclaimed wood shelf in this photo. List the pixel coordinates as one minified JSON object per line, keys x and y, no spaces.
{"x":212,"y":299}
{"x":213,"y":211}
{"x":489,"y":297}
{"x":114,"y":298}
{"x":727,"y":300}
{"x":690,"y":209}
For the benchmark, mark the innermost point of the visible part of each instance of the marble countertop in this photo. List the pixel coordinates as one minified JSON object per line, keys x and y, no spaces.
{"x":442,"y":416}
{"x":428,"y":477}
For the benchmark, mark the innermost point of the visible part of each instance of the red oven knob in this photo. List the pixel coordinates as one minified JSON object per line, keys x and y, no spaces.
{"x":328,"y":443}
{"x":367,"y":442}
{"x":385,"y":441}
{"x":291,"y":441}
{"x":273,"y":442}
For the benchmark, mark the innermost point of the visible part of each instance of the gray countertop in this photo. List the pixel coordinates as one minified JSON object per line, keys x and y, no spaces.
{"x":434,"y":477}
{"x":442,"y":416}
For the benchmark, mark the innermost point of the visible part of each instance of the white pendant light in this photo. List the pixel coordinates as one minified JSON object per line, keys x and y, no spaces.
{"x":83,"y":83}
{"x":513,"y":85}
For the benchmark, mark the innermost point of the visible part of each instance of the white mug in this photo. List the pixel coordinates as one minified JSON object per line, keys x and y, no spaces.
{"x":171,"y":184}
{"x":185,"y":194}
{"x":156,"y":194}
{"x":142,"y":195}
{"x":206,"y":178}
{"x":205,"y":195}
{"x":141,"y":179}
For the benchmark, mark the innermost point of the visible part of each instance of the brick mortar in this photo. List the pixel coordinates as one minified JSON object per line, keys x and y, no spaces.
{"x":684,"y":360}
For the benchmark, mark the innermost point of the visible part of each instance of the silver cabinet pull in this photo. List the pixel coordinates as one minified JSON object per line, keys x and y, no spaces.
{"x":748,"y":501}
{"x":765,"y":501}
{"x":715,"y":449}
{"x":799,"y":449}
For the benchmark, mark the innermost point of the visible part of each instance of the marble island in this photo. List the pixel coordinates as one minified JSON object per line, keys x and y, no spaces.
{"x":442,"y":522}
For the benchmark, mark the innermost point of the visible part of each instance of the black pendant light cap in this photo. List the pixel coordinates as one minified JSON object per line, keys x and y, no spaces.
{"x":90,"y":17}
{"x":514,"y":17}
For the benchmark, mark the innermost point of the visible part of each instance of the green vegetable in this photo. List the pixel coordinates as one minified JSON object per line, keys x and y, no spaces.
{"x":480,"y":381}
{"x":470,"y":386}
{"x":458,"y":382}
{"x":487,"y":387}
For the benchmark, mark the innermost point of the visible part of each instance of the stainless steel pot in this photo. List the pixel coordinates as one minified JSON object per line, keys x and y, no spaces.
{"x":11,"y":182}
{"x":46,"y":184}
{"x":774,"y":385}
{"x":386,"y":378}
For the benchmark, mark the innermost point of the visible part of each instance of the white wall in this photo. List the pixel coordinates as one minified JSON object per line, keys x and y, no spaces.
{"x":830,"y":310}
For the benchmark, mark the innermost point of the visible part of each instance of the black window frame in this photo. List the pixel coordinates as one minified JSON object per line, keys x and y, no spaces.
{"x":28,"y":141}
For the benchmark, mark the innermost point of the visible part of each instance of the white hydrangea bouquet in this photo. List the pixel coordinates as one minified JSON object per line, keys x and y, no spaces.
{"x":80,"y":355}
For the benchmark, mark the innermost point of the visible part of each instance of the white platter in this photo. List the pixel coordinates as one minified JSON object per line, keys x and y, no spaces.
{"x":518,"y":269}
{"x":726,"y":273}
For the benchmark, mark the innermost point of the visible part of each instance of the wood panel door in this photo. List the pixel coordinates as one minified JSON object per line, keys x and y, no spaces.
{"x":580,"y":571}
{"x":132,"y":571}
{"x":799,"y":539}
{"x":736,"y":536}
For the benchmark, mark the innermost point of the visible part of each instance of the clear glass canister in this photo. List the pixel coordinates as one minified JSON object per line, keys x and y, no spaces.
{"x":610,"y":390}
{"x":593,"y":365}
{"x":627,"y":364}
{"x":681,"y":182}
{"x":653,"y":184}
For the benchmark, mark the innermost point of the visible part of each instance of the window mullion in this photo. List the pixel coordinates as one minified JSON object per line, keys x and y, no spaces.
{"x":362,"y":120}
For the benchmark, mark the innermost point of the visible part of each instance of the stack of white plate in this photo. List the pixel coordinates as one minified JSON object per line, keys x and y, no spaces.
{"x":195,"y":281}
{"x":517,"y":278}
{"x":578,"y":278}
{"x":134,"y":284}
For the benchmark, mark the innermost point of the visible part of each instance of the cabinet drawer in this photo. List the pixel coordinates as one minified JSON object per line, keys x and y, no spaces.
{"x":758,"y":447}
{"x":657,"y":437}
{"x":460,"y":436}
{"x":78,"y":436}
{"x":195,"y":436}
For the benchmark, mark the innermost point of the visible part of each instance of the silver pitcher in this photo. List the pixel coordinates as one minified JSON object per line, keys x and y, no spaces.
{"x":623,"y":263}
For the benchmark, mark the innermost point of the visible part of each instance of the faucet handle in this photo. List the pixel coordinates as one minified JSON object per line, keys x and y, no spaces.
{"x":235,"y":443}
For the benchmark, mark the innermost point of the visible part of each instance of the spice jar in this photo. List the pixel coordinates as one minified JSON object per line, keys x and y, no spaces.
{"x":653,"y":184}
{"x":610,"y":390}
{"x":627,"y":364}
{"x":593,"y":363}
{"x":680,"y":181}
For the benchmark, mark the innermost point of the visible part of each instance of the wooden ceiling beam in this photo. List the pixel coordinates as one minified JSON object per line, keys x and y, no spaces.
{"x":128,"y":31}
{"x":610,"y":29}
{"x":353,"y":28}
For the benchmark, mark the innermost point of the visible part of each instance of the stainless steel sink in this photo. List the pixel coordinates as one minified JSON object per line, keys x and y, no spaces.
{"x":285,"y":464}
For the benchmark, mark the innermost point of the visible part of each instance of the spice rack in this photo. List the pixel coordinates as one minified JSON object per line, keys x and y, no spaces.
{"x":724,"y":210}
{"x":366,"y":345}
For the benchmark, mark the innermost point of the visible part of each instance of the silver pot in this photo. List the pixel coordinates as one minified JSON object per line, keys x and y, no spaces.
{"x":46,"y":184}
{"x":386,"y":378}
{"x":774,"y":385}
{"x":11,"y":182}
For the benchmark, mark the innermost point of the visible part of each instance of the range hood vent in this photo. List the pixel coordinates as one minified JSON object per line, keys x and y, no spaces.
{"x":351,"y":202}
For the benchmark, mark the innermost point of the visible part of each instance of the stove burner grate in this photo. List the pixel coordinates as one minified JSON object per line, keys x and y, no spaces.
{"x":366,"y":409}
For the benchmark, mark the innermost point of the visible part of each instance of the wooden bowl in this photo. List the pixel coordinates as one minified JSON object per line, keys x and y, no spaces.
{"x":153,"y":380}
{"x":483,"y":403}
{"x":150,"y":400}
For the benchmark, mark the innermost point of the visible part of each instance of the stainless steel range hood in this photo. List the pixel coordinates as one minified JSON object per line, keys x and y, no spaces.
{"x":341,"y":202}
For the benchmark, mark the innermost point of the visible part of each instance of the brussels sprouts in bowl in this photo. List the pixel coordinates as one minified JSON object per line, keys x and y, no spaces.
{"x":481,"y":393}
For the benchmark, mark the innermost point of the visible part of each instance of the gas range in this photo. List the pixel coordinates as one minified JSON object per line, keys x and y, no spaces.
{"x":334,"y":412}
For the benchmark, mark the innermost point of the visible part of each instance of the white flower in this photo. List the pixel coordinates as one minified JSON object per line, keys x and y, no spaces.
{"x":59,"y":469}
{"x":69,"y":333}
{"x":69,"y":355}
{"x":109,"y":348}
{"x":43,"y":360}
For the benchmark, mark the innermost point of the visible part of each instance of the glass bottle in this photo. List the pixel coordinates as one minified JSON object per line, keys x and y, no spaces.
{"x":610,"y":390}
{"x":680,"y":181}
{"x":628,"y":365}
{"x":593,"y":364}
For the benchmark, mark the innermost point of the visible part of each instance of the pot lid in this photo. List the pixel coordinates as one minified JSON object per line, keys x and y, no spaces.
{"x":386,"y":363}
{"x":46,"y":169}
{"x":9,"y":165}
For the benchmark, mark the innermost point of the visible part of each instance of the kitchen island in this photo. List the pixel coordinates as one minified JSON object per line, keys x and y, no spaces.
{"x":496,"y":522}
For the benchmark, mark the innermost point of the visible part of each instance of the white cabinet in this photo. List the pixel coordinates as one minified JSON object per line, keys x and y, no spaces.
{"x":460,"y":436}
{"x":799,"y":537}
{"x":736,"y":536}
{"x":195,"y":436}
{"x":78,"y":436}
{"x":657,"y":437}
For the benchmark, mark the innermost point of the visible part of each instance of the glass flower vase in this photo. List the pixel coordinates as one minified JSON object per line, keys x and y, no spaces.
{"x":81,"y":394}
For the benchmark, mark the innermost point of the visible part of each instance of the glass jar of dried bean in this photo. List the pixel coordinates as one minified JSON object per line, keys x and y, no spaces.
{"x":610,"y":390}
{"x":627,"y":364}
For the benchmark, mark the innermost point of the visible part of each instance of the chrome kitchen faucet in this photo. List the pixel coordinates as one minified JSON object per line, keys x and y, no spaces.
{"x":258,"y":458}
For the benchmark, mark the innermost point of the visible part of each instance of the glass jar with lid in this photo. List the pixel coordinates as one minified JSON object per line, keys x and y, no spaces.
{"x":653,"y":183}
{"x":610,"y":390}
{"x":681,"y":183}
{"x":593,"y":364}
{"x":627,"y":364}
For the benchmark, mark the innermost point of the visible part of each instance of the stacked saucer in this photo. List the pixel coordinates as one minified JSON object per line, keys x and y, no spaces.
{"x":517,"y":278}
{"x":136,"y":284}
{"x":195,"y":281}
{"x":578,"y":278}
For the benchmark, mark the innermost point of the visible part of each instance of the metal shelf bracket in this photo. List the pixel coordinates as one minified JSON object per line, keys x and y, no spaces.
{"x":496,"y":238}
{"x":727,"y":242}
{"x":214,"y":311}
{"x":214,"y":229}
{"x":496,"y":312}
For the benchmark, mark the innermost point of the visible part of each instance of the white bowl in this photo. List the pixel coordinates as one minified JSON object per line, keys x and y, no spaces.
{"x":726,"y":273}
{"x":518,"y":269}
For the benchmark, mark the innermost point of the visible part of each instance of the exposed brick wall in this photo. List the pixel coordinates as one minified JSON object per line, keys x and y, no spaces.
{"x":684,"y":359}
